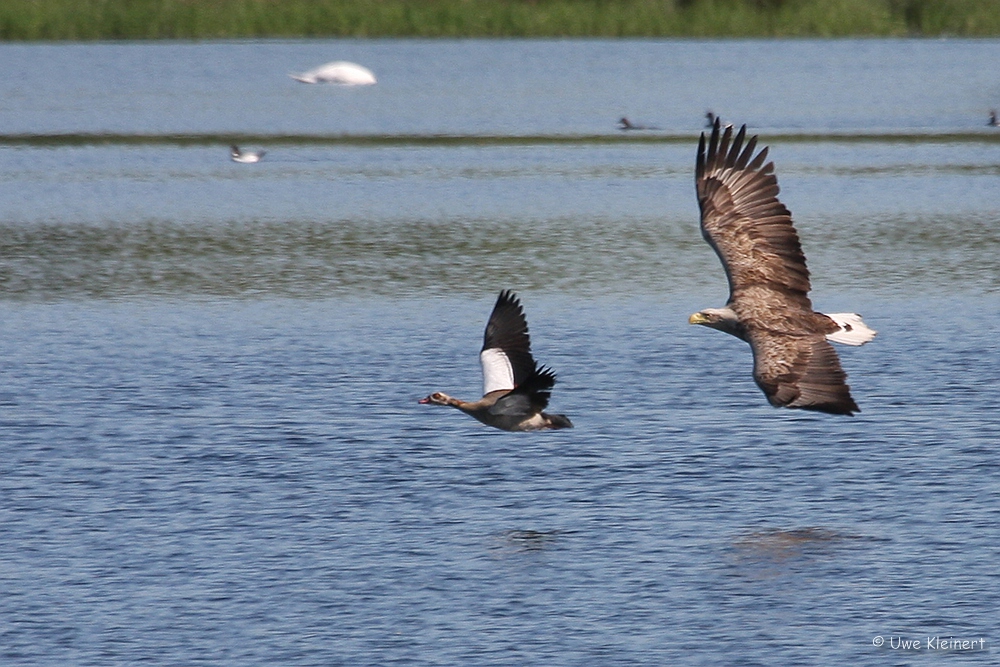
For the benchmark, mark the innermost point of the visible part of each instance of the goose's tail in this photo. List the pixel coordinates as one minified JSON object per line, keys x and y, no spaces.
{"x":556,"y":421}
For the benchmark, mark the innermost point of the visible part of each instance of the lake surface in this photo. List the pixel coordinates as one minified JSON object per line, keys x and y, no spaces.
{"x":210,"y":447}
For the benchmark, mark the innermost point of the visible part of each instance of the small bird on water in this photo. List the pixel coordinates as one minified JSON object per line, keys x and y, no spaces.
{"x":245,"y":157}
{"x":626,"y":124}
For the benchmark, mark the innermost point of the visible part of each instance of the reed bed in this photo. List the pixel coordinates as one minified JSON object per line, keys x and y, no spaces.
{"x":213,"y":19}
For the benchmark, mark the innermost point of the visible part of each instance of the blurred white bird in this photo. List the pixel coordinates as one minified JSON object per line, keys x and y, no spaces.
{"x":245,"y":157}
{"x":344,"y":73}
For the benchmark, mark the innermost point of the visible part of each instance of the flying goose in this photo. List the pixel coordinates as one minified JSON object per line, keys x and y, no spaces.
{"x":515,"y":389}
{"x":769,"y":307}
{"x":245,"y":157}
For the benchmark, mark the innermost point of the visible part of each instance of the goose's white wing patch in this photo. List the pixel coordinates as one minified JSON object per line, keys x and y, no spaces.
{"x":497,"y":371}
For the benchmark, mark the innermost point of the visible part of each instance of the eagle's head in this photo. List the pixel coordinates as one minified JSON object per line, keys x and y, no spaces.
{"x":723,"y":319}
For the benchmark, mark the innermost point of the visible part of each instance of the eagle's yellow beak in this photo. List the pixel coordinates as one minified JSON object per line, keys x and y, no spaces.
{"x":697,"y":318}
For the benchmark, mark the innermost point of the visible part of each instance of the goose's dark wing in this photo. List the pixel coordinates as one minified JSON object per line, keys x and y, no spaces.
{"x":506,"y":354}
{"x":530,"y":397}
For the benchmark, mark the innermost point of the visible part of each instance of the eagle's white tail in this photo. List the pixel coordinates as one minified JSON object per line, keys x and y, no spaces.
{"x":852,"y":330}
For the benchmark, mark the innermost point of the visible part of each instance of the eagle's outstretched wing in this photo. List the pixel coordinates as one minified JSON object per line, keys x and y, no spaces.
{"x":800,"y":372}
{"x":742,"y":219}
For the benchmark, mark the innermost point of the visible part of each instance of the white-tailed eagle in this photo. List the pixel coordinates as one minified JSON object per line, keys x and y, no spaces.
{"x":769,"y":306}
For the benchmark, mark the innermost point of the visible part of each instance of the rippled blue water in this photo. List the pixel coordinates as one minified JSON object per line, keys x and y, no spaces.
{"x":210,"y":446}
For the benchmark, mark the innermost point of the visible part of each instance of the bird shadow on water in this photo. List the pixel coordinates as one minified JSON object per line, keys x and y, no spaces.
{"x":516,"y":542}
{"x":773,"y":552}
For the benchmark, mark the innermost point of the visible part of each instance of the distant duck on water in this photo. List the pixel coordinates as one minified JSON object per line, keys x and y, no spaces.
{"x":626,"y":124}
{"x":245,"y":157}
{"x":515,"y":389}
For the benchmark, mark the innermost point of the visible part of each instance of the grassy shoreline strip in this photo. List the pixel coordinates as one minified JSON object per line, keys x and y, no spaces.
{"x":232,"y":19}
{"x":445,"y":140}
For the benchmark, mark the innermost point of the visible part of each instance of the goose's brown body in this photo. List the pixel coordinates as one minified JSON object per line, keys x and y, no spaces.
{"x":492,"y":410}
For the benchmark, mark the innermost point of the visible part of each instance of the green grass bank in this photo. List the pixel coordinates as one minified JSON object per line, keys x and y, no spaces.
{"x":214,"y":19}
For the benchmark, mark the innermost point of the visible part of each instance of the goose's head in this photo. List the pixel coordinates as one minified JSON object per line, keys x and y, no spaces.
{"x":437,"y":398}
